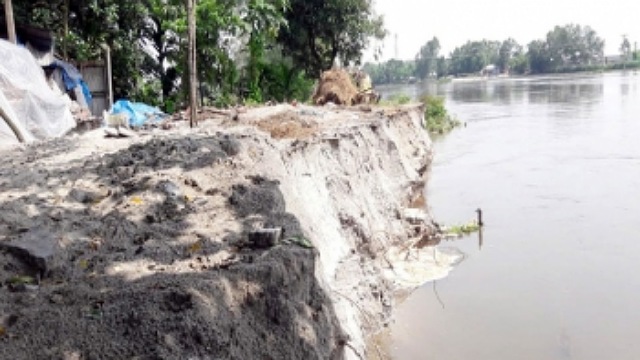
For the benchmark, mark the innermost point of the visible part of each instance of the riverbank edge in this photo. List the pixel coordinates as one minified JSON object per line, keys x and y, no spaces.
{"x":355,"y":184}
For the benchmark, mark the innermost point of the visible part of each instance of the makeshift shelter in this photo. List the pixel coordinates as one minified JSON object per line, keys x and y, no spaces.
{"x":28,"y":107}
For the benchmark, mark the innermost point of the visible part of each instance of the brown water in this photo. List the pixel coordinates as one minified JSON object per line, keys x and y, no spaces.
{"x":555,"y":165}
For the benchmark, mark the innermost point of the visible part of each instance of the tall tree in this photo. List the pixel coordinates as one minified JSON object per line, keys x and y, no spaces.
{"x":263,"y":19}
{"x":574,"y":45}
{"x":426,"y":60}
{"x":473,"y":56}
{"x":508,"y":49}
{"x":539,"y":57}
{"x":321,"y":31}
{"x":161,"y":34}
{"x":442,"y":67}
{"x":625,"y":48}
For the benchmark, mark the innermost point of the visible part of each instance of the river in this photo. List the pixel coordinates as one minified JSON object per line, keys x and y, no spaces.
{"x":554,"y":163}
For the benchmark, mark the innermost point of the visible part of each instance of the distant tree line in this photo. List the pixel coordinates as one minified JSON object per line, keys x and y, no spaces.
{"x":566,"y":48}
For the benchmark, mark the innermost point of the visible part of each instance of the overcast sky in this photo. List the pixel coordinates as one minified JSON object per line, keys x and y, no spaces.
{"x":456,"y":21}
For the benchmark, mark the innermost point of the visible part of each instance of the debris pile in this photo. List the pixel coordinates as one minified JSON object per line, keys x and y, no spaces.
{"x":335,"y":86}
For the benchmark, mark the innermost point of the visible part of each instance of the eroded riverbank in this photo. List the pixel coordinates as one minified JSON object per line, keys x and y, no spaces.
{"x":140,"y":248}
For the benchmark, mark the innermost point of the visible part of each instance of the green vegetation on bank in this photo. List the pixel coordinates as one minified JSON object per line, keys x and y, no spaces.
{"x":396,"y":99}
{"x":248,"y":50}
{"x":462,"y":230}
{"x":569,"y":48}
{"x":436,"y":117}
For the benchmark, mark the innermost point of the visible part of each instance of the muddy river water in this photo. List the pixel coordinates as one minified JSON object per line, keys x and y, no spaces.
{"x":554,"y":162}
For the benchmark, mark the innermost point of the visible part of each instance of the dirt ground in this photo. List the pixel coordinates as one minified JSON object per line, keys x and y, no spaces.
{"x":141,"y":248}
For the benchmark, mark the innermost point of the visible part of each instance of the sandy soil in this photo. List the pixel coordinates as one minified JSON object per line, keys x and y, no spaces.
{"x":139,"y":248}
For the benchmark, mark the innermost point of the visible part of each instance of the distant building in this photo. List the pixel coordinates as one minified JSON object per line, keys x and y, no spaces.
{"x":490,"y":71}
{"x":613,"y":59}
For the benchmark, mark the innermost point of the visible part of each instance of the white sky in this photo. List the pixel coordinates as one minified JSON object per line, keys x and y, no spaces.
{"x":456,"y":21}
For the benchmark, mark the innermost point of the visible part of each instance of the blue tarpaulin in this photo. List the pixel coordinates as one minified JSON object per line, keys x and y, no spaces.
{"x":72,"y":78}
{"x":138,"y":113}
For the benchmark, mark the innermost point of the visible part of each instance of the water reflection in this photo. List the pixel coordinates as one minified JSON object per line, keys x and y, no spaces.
{"x":500,"y":91}
{"x":562,"y":93}
{"x":507,"y":91}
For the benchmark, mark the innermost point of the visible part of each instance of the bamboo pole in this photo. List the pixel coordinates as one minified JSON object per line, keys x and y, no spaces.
{"x":12,"y":125}
{"x":193,"y":101}
{"x":11,"y":26}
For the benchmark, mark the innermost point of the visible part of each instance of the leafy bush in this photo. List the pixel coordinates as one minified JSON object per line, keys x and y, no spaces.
{"x":437,"y":119}
{"x":282,"y":82}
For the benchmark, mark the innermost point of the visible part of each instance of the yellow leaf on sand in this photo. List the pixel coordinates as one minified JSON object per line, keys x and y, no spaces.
{"x":136,"y":200}
{"x":84,"y":264}
{"x":195,"y":247}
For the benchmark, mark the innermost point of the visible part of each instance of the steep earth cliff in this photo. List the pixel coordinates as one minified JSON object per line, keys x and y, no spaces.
{"x":162,"y":246}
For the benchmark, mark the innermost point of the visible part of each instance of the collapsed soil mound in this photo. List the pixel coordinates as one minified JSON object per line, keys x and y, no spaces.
{"x":335,"y":86}
{"x":288,"y":125}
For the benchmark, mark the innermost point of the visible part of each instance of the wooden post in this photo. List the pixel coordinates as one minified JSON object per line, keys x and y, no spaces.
{"x":109,"y":76}
{"x":65,"y":19}
{"x":11,"y":26}
{"x":193,"y":101}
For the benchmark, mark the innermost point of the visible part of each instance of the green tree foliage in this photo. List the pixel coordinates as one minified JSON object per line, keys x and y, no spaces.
{"x":436,"y":117}
{"x":281,"y":81}
{"x":509,"y":50}
{"x":566,"y":47}
{"x":519,"y":64}
{"x":263,"y":19}
{"x":574,"y":44}
{"x":539,"y":57}
{"x":390,"y":72}
{"x":116,"y":23}
{"x":442,"y":67}
{"x":166,"y":33}
{"x":473,"y":56}
{"x":240,"y":47}
{"x":161,"y":31}
{"x":321,"y":31}
{"x":427,"y":59}
{"x":625,"y":48}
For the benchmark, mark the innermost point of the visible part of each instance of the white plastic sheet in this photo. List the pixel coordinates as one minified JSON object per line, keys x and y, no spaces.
{"x":28,"y":97}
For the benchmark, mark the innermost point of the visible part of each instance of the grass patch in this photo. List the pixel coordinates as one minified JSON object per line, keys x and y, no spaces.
{"x":396,"y":99}
{"x":461,"y":230}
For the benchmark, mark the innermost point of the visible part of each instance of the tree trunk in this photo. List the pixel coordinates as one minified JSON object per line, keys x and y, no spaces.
{"x":193,"y":100}
{"x":65,"y":20}
{"x":11,"y":26}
